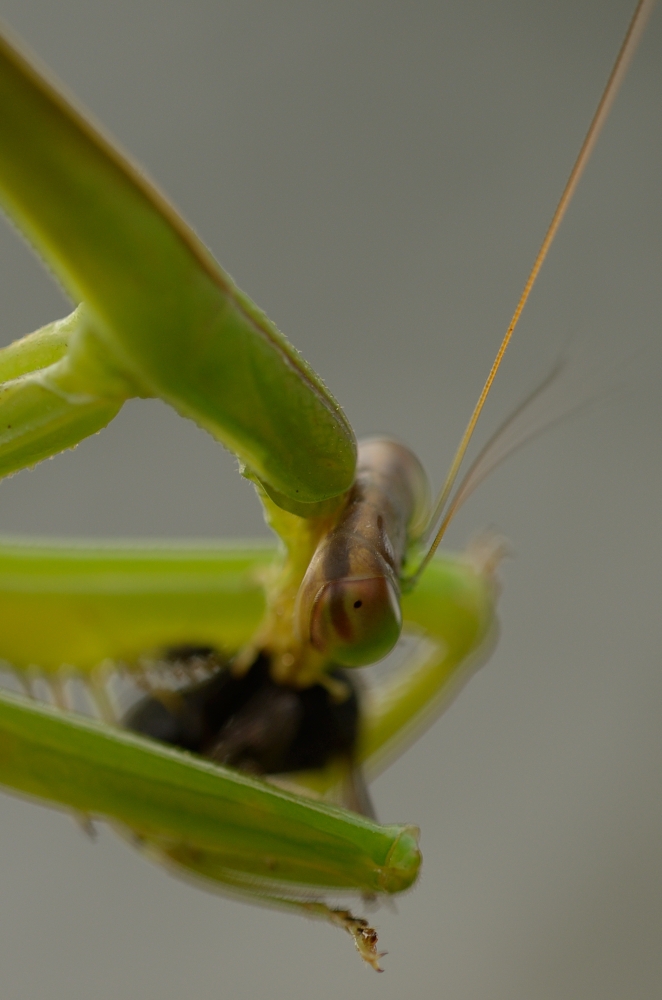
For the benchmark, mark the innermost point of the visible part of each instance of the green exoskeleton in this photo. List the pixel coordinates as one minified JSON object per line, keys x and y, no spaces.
{"x":277,"y":633}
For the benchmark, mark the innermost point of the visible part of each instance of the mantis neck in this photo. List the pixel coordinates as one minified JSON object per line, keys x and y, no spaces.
{"x":293,"y":662}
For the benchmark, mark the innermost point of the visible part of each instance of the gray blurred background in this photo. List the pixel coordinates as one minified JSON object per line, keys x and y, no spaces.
{"x":378,"y":177}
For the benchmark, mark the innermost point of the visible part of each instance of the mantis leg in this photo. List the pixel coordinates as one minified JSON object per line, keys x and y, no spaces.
{"x":161,"y":314}
{"x":172,"y":798}
{"x":52,"y":395}
{"x":80,"y":604}
{"x":451,"y":614}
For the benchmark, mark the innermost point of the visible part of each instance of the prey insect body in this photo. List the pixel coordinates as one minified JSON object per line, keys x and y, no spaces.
{"x":251,"y":722}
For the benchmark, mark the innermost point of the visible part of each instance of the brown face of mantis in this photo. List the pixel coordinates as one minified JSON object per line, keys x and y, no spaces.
{"x":348,"y":606}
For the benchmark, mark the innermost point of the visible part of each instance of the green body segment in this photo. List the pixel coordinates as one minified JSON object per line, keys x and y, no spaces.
{"x":93,"y":603}
{"x":38,"y":350}
{"x":161,"y":313}
{"x":180,"y":800}
{"x":46,"y":404}
{"x":452,"y":614}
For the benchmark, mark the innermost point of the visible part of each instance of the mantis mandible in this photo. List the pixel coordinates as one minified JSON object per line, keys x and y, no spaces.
{"x":64,"y":383}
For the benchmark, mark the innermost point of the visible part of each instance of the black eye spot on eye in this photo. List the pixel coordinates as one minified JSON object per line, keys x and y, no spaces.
{"x":358,"y":604}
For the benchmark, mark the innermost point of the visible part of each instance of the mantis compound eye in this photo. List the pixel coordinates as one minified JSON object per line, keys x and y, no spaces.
{"x":355,"y":621}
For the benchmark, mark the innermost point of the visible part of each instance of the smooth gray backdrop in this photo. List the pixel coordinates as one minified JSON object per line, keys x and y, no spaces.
{"x":378,"y":177}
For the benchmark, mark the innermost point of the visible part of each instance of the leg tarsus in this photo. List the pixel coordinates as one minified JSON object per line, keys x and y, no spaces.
{"x":364,"y":936}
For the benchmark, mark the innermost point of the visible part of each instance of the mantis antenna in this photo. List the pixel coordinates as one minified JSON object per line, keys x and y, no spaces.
{"x":444,"y":509}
